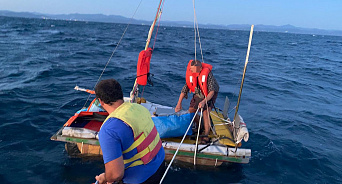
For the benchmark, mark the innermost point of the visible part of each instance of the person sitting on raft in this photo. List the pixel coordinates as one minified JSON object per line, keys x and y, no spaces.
{"x":200,"y":81}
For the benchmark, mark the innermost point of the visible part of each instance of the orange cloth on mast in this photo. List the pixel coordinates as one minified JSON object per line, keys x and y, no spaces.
{"x":143,"y":66}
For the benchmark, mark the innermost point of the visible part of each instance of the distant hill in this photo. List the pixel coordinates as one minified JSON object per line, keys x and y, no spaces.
{"x":75,"y":17}
{"x":121,"y":19}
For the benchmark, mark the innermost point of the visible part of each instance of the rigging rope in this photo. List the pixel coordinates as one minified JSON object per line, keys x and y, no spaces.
{"x":199,"y":41}
{"x":196,"y":30}
{"x":160,"y":13}
{"x":174,"y":156}
{"x":200,"y":44}
{"x":198,"y":132}
{"x":193,"y":2}
{"x":228,"y":122}
{"x":110,"y":58}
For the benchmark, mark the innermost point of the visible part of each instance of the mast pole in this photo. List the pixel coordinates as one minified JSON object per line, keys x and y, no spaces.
{"x":135,"y":86}
{"x":244,"y":71}
{"x":153,"y":25}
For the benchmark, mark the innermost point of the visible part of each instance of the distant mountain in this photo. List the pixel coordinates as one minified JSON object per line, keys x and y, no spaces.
{"x":121,"y":19}
{"x":19,"y":14}
{"x":74,"y":17}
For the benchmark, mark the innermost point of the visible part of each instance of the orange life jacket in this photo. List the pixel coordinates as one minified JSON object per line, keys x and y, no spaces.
{"x":143,"y":66}
{"x":202,"y":77}
{"x":146,"y":137}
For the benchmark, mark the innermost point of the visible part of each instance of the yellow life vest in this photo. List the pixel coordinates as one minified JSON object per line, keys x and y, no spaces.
{"x":146,"y":137}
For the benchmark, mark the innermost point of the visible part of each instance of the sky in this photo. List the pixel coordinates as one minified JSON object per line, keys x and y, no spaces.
{"x":322,"y":14}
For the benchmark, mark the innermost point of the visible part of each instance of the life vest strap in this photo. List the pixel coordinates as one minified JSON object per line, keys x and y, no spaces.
{"x":137,"y":156}
{"x":135,"y":144}
{"x":136,"y":163}
{"x":143,"y":142}
{"x":145,"y":155}
{"x":149,"y":139}
{"x":152,"y":153}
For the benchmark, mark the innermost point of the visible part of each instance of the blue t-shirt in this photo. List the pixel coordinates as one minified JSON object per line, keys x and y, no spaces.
{"x":116,"y":136}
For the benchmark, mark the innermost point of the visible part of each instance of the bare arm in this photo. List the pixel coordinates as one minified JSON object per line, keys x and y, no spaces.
{"x":210,"y":95}
{"x":179,"y":104}
{"x":114,"y":171}
{"x":184,"y":94}
{"x":203,"y":102}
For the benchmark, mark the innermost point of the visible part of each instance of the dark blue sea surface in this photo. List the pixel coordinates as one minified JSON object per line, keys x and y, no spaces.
{"x":291,"y":100}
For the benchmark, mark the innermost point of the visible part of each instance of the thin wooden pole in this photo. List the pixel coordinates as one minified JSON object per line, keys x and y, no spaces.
{"x":135,"y":86}
{"x":153,"y":25}
{"x":243,"y":76}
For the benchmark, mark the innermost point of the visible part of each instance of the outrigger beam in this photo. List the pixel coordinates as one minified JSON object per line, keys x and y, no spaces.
{"x":77,"y":88}
{"x":243,"y":78}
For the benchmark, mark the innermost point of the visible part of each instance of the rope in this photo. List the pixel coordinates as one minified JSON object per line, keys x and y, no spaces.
{"x":193,"y":2}
{"x":197,"y":31}
{"x":123,"y":34}
{"x":168,"y":167}
{"x":209,"y":144}
{"x":228,"y":122}
{"x":160,"y":13}
{"x":198,"y":132}
{"x":199,"y":41}
{"x":206,"y":102}
{"x":142,"y":93}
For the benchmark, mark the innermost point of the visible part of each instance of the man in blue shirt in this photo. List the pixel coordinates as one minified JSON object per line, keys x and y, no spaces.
{"x":126,"y":158}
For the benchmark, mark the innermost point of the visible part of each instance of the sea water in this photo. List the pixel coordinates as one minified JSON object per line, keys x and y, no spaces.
{"x":291,"y":99}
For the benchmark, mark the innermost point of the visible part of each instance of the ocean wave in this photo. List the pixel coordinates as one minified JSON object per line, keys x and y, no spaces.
{"x":290,"y":99}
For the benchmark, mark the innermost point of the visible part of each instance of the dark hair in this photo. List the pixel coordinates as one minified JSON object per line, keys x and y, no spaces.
{"x":108,"y":91}
{"x":196,"y":63}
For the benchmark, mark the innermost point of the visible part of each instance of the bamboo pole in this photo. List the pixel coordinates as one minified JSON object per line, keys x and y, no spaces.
{"x":243,"y":76}
{"x":153,"y":25}
{"x":135,"y":86}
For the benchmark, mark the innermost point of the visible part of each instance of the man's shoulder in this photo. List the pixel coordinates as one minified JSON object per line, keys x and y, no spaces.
{"x":211,"y":74}
{"x":113,"y":122}
{"x":115,"y":128}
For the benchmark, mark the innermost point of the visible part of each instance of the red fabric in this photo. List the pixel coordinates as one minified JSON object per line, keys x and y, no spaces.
{"x":94,"y":125}
{"x":85,"y":113}
{"x":206,"y":68}
{"x":191,"y":83}
{"x":150,"y":155}
{"x":138,"y":136}
{"x":205,"y":72}
{"x":143,"y":66}
{"x":148,"y":140}
{"x":82,"y":113}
